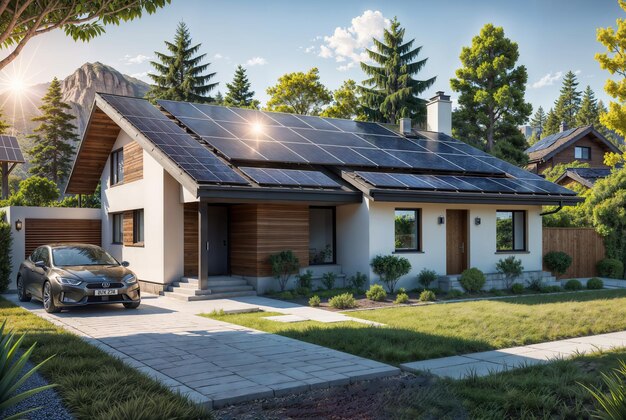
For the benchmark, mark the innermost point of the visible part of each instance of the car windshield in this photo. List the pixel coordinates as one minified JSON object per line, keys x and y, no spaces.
{"x":76,"y":256}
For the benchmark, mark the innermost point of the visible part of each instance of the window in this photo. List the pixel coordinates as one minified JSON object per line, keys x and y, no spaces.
{"x":510,"y":230}
{"x":582,"y":153}
{"x":138,"y":226}
{"x":117,"y":166}
{"x":407,"y":226}
{"x":322,"y":235}
{"x":118,"y":228}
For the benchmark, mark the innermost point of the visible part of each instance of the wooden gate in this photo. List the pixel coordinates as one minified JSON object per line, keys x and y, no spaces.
{"x":47,"y":231}
{"x":584,"y":245}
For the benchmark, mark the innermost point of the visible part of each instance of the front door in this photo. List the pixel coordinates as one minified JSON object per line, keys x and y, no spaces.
{"x":456,"y":241}
{"x":218,"y":240}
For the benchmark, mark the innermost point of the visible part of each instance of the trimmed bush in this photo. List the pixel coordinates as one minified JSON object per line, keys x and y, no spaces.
{"x":315,"y":301}
{"x":328,"y":279}
{"x":595,"y":283}
{"x":376,"y":293}
{"x":401,"y":298}
{"x":550,"y":289}
{"x":6,"y":241}
{"x":343,"y":301}
{"x":557,"y":262}
{"x":305,"y":280}
{"x":284,"y":264}
{"x":358,"y":280}
{"x":472,"y":280}
{"x":427,"y":296}
{"x":611,"y":268}
{"x":426,"y":277}
{"x":535,"y":284}
{"x":517,"y":288}
{"x":573,"y":284}
{"x":390,"y":268}
{"x":511,"y":267}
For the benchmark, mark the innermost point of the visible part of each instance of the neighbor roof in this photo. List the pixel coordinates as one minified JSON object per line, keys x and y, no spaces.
{"x":550,"y":145}
{"x":224,"y":152}
{"x":585,"y":176}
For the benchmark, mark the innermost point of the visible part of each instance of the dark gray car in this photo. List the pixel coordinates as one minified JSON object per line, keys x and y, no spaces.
{"x":68,"y":275}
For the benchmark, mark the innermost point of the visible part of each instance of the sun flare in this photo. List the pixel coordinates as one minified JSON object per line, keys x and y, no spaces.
{"x":17,"y":85}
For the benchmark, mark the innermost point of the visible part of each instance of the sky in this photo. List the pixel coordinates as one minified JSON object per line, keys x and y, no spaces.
{"x":271,"y":38}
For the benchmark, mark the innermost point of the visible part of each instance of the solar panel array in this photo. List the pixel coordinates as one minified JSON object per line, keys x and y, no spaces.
{"x":192,"y":157}
{"x":257,"y":136}
{"x":548,"y":141}
{"x":10,"y":150}
{"x":290,"y":177}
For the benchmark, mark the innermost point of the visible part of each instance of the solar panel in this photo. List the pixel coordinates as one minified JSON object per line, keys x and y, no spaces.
{"x":10,"y":150}
{"x":191,"y":156}
{"x":550,"y":140}
{"x":290,"y":177}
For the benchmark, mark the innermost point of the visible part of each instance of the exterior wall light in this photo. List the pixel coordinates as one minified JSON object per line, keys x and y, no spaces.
{"x":477,"y":221}
{"x":18,"y":225}
{"x":441,"y":220}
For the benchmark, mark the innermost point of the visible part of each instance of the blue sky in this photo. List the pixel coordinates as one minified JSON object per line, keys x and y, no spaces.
{"x":274,"y":37}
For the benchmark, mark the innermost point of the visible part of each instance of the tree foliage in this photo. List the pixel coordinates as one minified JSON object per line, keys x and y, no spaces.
{"x":491,"y":90}
{"x":552,"y":124}
{"x":299,"y":93}
{"x":6,"y":240}
{"x":346,"y":102}
{"x":567,"y":105}
{"x":3,"y":124}
{"x":589,"y":113}
{"x":35,"y":191}
{"x":53,"y":151}
{"x":537,"y":123}
{"x":390,"y":268}
{"x":239,"y":93}
{"x":181,"y":76}
{"x":391,"y":92}
{"x":82,"y":20}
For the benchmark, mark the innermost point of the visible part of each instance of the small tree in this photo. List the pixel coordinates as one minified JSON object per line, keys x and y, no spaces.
{"x":284,"y":264}
{"x":511,"y":267}
{"x":557,"y":262}
{"x":238,"y":91}
{"x":390,"y":268}
{"x":346,"y":103}
{"x":299,"y":93}
{"x":35,"y":191}
{"x":6,"y":241}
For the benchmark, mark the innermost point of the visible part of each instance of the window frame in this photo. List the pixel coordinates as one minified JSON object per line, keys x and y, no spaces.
{"x":525,"y":230}
{"x":119,"y":216}
{"x":418,"y":234}
{"x":334,"y":221}
{"x":116,"y":173}
{"x":582,"y":148}
{"x":137,"y":231}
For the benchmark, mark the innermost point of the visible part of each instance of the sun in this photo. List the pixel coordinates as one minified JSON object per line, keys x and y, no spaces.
{"x":16,"y":84}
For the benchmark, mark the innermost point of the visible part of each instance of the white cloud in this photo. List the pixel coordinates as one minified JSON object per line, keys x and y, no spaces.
{"x":218,"y":56}
{"x":349,"y":43}
{"x":547,"y":80}
{"x":346,"y":67}
{"x":577,"y":72}
{"x":309,"y":49}
{"x":256,"y":61}
{"x":135,"y":59}
{"x":142,"y":76}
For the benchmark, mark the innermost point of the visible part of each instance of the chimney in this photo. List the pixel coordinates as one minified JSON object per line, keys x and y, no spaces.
{"x":563,"y":126}
{"x":405,"y":126}
{"x":439,"y":114}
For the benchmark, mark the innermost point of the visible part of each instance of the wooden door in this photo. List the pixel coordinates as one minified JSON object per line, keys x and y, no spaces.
{"x":218,"y":240}
{"x":456,"y":241}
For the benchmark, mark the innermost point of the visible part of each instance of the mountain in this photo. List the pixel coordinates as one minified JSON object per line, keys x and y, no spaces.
{"x":78,"y":89}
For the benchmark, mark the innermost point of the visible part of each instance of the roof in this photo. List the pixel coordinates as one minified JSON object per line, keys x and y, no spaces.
{"x":10,"y":150}
{"x":585,"y":176}
{"x":550,"y":145}
{"x":242,"y":154}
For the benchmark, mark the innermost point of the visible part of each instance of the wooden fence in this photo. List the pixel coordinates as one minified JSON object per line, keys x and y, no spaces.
{"x":584,"y":245}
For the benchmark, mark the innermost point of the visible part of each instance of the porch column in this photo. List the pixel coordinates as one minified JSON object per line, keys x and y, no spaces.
{"x":203,"y":243}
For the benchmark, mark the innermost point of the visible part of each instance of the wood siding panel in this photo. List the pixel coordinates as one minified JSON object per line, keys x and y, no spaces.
{"x":133,"y":162}
{"x":128,"y":228}
{"x":584,"y":245}
{"x":191,"y":240}
{"x":47,"y":231}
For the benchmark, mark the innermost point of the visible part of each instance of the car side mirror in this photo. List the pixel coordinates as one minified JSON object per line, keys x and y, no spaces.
{"x":40,"y":264}
{"x":125,"y":263}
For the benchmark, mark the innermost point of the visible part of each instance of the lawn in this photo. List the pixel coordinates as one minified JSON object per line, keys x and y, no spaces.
{"x":92,"y":384}
{"x":425,"y":332}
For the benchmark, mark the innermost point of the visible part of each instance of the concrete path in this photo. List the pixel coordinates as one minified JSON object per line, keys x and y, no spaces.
{"x":488,"y":362}
{"x":214,"y":363}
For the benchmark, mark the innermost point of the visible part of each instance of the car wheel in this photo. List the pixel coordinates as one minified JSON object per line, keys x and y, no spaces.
{"x":21,"y":293}
{"x":131,"y":305}
{"x":48,"y":301}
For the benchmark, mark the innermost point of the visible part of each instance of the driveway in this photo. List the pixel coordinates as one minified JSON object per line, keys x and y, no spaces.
{"x":212,"y":362}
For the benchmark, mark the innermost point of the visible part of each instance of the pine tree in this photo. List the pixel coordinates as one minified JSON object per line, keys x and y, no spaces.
{"x":588,"y":112}
{"x":391,"y":92}
{"x":552,"y":124}
{"x":3,"y":125}
{"x":568,"y":104}
{"x":52,"y":153}
{"x":538,"y":121}
{"x":239,"y":93}
{"x":181,"y":76}
{"x":219,"y":99}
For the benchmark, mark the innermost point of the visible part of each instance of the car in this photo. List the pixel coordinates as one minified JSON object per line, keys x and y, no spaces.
{"x":69,"y":275}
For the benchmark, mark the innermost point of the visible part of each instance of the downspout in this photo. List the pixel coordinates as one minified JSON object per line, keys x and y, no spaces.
{"x":558,"y":209}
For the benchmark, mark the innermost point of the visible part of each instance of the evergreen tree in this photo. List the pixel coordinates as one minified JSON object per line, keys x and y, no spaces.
{"x":588,"y":112}
{"x":52,"y":153}
{"x":219,"y":99}
{"x":239,"y":93}
{"x":346,"y":102}
{"x":391,"y":92}
{"x":181,"y":76}
{"x":538,"y":121}
{"x":3,"y":125}
{"x":552,"y":124}
{"x":568,"y":104}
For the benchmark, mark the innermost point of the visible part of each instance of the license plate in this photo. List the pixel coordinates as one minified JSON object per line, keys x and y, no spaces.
{"x":105,"y":292}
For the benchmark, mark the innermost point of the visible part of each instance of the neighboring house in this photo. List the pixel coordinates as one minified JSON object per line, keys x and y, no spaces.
{"x":209,"y":192}
{"x":586,"y":177}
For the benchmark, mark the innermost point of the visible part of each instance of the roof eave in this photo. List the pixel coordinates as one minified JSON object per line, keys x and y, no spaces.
{"x":236,"y":194}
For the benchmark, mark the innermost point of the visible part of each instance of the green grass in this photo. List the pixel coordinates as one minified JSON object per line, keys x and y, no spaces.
{"x":92,"y":384}
{"x":426,"y":332}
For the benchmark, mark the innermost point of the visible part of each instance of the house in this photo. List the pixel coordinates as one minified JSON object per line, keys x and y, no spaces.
{"x":585,"y":177}
{"x":196,"y":197}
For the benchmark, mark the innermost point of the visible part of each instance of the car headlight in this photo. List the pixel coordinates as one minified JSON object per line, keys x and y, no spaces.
{"x":69,"y":282}
{"x":130,"y":279}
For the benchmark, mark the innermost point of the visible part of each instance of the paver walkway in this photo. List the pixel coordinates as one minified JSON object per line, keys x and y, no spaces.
{"x":487,"y":362}
{"x":214,"y":363}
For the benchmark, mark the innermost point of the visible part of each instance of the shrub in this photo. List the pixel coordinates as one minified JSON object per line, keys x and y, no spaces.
{"x":595,"y":283}
{"x":390,"y":268}
{"x":343,"y":301}
{"x":573,"y":284}
{"x":328,"y":279}
{"x":455,"y":294}
{"x":284,"y":264}
{"x":305,"y":279}
{"x":427,"y":296}
{"x":557,"y":262}
{"x":511,"y":267}
{"x":426,"y":277}
{"x":35,"y":191}
{"x":550,"y":289}
{"x":287,"y":295}
{"x":535,"y":284}
{"x":376,"y":293}
{"x":302,"y":291}
{"x":401,"y":298}
{"x":611,"y":404}
{"x":315,"y":301}
{"x":517,"y":288}
{"x":611,"y":268}
{"x":5,"y":253}
{"x":358,"y":280}
{"x":472,"y":280}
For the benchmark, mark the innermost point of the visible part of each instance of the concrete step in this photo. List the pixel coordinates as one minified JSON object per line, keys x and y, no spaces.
{"x":213,"y":290}
{"x":212,"y":284}
{"x":190,"y":280}
{"x":228,"y":295}
{"x":230,"y":288}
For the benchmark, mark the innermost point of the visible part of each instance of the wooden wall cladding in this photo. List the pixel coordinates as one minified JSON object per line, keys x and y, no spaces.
{"x":191,"y":240}
{"x":584,"y":245}
{"x":128,"y":228}
{"x":133,"y":162}
{"x":48,"y":231}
